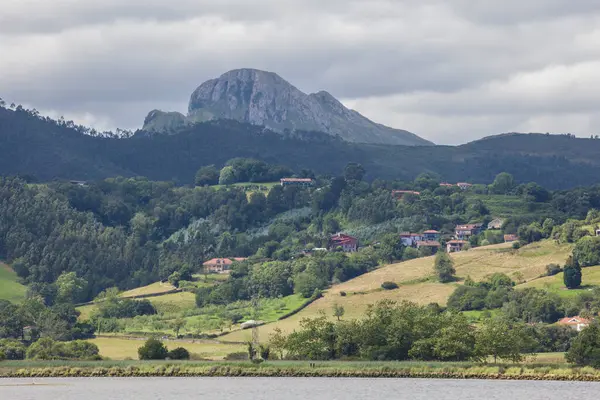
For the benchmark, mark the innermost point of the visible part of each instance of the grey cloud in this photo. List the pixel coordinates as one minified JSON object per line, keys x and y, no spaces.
{"x":426,"y":66}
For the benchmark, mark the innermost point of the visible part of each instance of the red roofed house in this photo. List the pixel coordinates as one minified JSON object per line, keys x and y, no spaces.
{"x":296,"y":181}
{"x":348,"y":243}
{"x":446,"y":184}
{"x":435,"y":246}
{"x":577,"y":323}
{"x":463,"y":232}
{"x":220,"y":265}
{"x":399,"y":194}
{"x":510,"y":238}
{"x":454,"y":246}
{"x":464,"y":185}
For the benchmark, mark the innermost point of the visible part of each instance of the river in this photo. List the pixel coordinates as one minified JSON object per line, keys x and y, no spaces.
{"x":290,"y":389}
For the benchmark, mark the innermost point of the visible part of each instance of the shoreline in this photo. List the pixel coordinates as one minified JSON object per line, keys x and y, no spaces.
{"x":134,"y":369}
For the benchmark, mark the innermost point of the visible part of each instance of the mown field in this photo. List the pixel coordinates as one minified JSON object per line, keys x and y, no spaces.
{"x":116,"y":348}
{"x":10,"y":288}
{"x":416,"y":284}
{"x":555,"y":284}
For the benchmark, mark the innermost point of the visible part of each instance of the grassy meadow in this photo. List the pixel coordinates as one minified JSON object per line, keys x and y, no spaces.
{"x":555,"y":284}
{"x":416,"y":284}
{"x":118,"y":348}
{"x":10,"y":288}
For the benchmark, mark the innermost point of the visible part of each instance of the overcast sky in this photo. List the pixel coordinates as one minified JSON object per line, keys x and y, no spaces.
{"x":449,"y":70}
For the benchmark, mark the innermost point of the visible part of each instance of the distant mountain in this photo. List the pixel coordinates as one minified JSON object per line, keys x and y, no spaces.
{"x":265,"y":99}
{"x":49,"y":150}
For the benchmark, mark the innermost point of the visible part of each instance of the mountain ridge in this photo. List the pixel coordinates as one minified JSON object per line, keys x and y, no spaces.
{"x":47,"y":149}
{"x":266,"y":99}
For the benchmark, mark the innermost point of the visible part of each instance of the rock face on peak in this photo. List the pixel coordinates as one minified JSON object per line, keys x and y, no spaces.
{"x":264,"y":98}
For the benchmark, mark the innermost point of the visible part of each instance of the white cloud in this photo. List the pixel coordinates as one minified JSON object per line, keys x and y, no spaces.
{"x":451,"y":71}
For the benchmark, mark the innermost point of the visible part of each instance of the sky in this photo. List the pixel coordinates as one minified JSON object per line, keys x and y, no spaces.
{"x":451,"y":71}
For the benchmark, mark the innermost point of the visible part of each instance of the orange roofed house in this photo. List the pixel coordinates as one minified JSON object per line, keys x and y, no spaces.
{"x":220,"y":265}
{"x":454,"y":246}
{"x":348,"y":243}
{"x":576,"y":323}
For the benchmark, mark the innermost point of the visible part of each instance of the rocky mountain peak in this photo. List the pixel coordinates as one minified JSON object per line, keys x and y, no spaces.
{"x":264,"y":98}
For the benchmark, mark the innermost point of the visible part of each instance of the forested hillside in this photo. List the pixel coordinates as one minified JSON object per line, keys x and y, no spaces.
{"x":47,"y":149}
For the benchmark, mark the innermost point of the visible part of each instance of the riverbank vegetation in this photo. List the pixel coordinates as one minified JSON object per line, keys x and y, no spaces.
{"x":299,"y":369}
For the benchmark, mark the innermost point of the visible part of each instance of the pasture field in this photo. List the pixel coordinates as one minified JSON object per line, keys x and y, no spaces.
{"x":10,"y":288}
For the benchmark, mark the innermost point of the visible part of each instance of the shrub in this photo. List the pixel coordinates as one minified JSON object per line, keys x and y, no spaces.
{"x":265,"y":352}
{"x":585,"y":349}
{"x":153,"y":349}
{"x":389,"y":285}
{"x":48,"y":349}
{"x":343,"y":294}
{"x":179,"y":354}
{"x":516,"y":245}
{"x":12,"y":349}
{"x":553,"y":269}
{"x":241,"y":355}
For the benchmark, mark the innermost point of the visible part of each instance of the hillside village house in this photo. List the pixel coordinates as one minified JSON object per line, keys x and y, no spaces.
{"x":496,"y":223}
{"x":576,"y":323}
{"x":304,"y":182}
{"x":464,"y":232}
{"x":464,"y":185}
{"x":220,"y":265}
{"x":454,"y":246}
{"x":410,"y":239}
{"x":431,"y":235}
{"x":348,"y":243}
{"x":510,"y":238}
{"x":433,"y":245}
{"x":446,"y":184}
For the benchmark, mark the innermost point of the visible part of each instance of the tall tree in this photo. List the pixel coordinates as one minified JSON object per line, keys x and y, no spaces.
{"x":354,"y":172}
{"x":208,"y":175}
{"x":503,"y":184}
{"x":572,"y":273}
{"x":444,"y":267}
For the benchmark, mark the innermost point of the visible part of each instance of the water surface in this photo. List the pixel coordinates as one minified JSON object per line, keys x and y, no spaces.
{"x":291,"y":389}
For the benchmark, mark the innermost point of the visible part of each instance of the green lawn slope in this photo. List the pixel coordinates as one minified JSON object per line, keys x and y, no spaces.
{"x":10,"y":288}
{"x":416,"y":284}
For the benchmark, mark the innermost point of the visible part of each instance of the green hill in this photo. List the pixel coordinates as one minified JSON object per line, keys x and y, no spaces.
{"x":590,"y":279}
{"x":10,"y":288}
{"x":47,"y":150}
{"x":416,"y":285}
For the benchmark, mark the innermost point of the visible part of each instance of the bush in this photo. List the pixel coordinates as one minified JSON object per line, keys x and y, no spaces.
{"x":389,"y":285}
{"x":238,"y":356}
{"x":553,"y":269}
{"x":179,"y":354}
{"x":153,"y":349}
{"x":516,"y":245}
{"x":12,"y":349}
{"x":48,"y":349}
{"x":585,"y":349}
{"x":343,"y":294}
